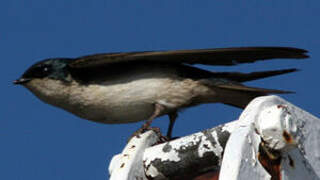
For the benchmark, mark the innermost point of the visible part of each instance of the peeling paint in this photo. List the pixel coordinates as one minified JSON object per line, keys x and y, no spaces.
{"x":192,"y":154}
{"x":204,"y":146}
{"x":152,"y":172}
{"x":167,"y":148}
{"x":159,"y":152}
{"x":217,"y":148}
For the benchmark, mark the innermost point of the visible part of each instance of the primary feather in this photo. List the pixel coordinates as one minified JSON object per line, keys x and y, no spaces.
{"x":219,"y":56}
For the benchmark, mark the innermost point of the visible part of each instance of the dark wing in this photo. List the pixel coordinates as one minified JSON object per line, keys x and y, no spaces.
{"x":221,"y":56}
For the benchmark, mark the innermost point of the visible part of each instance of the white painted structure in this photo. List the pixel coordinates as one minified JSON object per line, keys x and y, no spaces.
{"x":285,"y":133}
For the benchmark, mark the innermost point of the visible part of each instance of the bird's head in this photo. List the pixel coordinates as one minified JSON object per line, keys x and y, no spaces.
{"x":56,"y":69}
{"x":47,"y":79}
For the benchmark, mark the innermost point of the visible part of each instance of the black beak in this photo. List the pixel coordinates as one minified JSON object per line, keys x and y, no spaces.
{"x":21,"y":81}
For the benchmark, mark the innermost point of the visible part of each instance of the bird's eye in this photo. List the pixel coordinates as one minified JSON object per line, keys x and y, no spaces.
{"x":43,"y":71}
{"x":39,"y":71}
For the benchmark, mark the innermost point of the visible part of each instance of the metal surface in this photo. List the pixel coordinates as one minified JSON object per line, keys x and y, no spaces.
{"x":272,"y":140}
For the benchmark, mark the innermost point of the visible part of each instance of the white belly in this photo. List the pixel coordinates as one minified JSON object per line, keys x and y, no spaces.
{"x":119,"y":102}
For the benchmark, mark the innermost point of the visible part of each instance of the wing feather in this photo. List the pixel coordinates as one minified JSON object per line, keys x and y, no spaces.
{"x":220,"y":56}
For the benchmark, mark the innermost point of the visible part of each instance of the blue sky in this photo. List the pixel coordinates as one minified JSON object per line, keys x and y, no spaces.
{"x":39,"y":141}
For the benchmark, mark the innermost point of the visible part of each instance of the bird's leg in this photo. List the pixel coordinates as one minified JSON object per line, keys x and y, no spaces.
{"x":158,"y":109}
{"x":172,"y":117}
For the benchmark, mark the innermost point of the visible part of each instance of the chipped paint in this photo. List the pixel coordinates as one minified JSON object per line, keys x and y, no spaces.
{"x":159,"y":153}
{"x":191,"y":155}
{"x":204,"y":147}
{"x":217,"y":148}
{"x":152,"y":172}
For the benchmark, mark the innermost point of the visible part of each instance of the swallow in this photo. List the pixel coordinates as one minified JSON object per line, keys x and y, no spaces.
{"x":128,"y":87}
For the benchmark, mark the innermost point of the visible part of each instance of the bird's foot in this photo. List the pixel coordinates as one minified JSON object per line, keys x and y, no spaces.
{"x":145,"y":128}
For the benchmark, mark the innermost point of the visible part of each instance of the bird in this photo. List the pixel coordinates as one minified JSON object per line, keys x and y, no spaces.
{"x":127,"y":87}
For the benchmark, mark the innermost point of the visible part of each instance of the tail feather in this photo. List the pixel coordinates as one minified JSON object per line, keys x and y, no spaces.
{"x":240,"y":95}
{"x":236,"y":94}
{"x":229,"y":90}
{"x":243,"y":77}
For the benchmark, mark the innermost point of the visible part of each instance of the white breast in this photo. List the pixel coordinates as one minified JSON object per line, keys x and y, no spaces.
{"x":118,"y":102}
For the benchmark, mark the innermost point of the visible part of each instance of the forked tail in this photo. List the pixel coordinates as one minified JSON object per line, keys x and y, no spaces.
{"x":230,"y":91}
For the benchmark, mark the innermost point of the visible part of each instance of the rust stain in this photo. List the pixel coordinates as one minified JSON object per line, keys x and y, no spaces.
{"x":122,"y":165}
{"x":291,"y":162}
{"x":284,"y":107}
{"x":272,"y":166}
{"x":281,"y":106}
{"x":287,"y":137}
